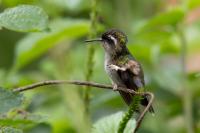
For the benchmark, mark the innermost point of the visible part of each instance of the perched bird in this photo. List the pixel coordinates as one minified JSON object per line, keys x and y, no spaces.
{"x":121,"y":66}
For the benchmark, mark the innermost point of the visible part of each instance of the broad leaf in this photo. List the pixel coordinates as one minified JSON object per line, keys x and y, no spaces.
{"x":36,"y":44}
{"x":15,"y":122}
{"x":24,"y":18}
{"x":110,"y":124}
{"x":169,"y":18}
{"x":9,"y":100}
{"x":43,"y":127}
{"x":21,"y":119}
{"x":10,"y":130}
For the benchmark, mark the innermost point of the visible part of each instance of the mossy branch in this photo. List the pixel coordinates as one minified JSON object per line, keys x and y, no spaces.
{"x":91,"y":52}
{"x":133,"y":107}
{"x":97,"y":85}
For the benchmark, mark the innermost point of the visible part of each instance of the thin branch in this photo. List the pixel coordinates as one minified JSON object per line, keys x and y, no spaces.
{"x":139,"y":120}
{"x":91,"y":84}
{"x":54,"y":82}
{"x":74,"y":82}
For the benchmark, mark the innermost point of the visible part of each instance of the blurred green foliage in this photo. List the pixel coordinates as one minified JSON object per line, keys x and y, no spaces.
{"x":24,"y":18}
{"x":110,"y":124}
{"x":50,"y":45}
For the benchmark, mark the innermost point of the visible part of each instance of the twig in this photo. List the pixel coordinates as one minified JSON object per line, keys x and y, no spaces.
{"x":54,"y":82}
{"x":139,"y":120}
{"x":91,"y":84}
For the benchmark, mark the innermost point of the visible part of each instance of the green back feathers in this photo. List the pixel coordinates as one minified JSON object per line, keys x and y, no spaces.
{"x":121,"y":60}
{"x":121,"y":37}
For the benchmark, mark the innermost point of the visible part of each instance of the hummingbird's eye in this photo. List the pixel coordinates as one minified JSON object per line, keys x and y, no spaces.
{"x":114,"y":40}
{"x":110,"y":39}
{"x":107,"y":39}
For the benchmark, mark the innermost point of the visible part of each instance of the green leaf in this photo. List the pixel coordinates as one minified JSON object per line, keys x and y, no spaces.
{"x":41,"y":128}
{"x":110,"y":124}
{"x":10,"y":130}
{"x":155,"y":36}
{"x":15,"y":122}
{"x":36,"y":44}
{"x":169,"y":18}
{"x":9,"y":100}
{"x":24,"y":18}
{"x":21,"y":119}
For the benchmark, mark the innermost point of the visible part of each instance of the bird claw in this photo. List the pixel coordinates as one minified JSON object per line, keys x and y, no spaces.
{"x":115,"y":87}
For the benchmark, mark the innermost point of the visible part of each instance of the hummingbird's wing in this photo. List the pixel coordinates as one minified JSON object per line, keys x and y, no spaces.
{"x":133,"y":78}
{"x":132,"y":75}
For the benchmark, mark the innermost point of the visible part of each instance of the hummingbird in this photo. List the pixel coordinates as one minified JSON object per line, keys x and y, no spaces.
{"x":122,"y":68}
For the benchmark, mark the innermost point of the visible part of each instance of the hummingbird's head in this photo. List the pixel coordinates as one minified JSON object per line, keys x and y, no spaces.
{"x":115,"y":37}
{"x":113,"y":41}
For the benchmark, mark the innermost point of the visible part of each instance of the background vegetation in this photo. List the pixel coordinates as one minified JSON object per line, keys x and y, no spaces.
{"x":44,"y":40}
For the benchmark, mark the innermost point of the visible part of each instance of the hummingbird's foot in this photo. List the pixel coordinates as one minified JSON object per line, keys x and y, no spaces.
{"x":114,"y":67}
{"x":115,"y":87}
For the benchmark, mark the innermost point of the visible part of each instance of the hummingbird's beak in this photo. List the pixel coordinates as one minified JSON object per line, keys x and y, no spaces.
{"x":94,"y":40}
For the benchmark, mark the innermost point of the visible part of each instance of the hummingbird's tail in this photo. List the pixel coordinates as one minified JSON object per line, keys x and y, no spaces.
{"x":128,"y":99}
{"x":145,"y":102}
{"x":151,"y":110}
{"x":126,"y":96}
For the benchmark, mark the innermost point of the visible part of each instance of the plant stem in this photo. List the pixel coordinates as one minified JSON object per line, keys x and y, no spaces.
{"x":187,"y":98}
{"x":140,"y":118}
{"x":129,"y":114}
{"x":91,"y":51}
